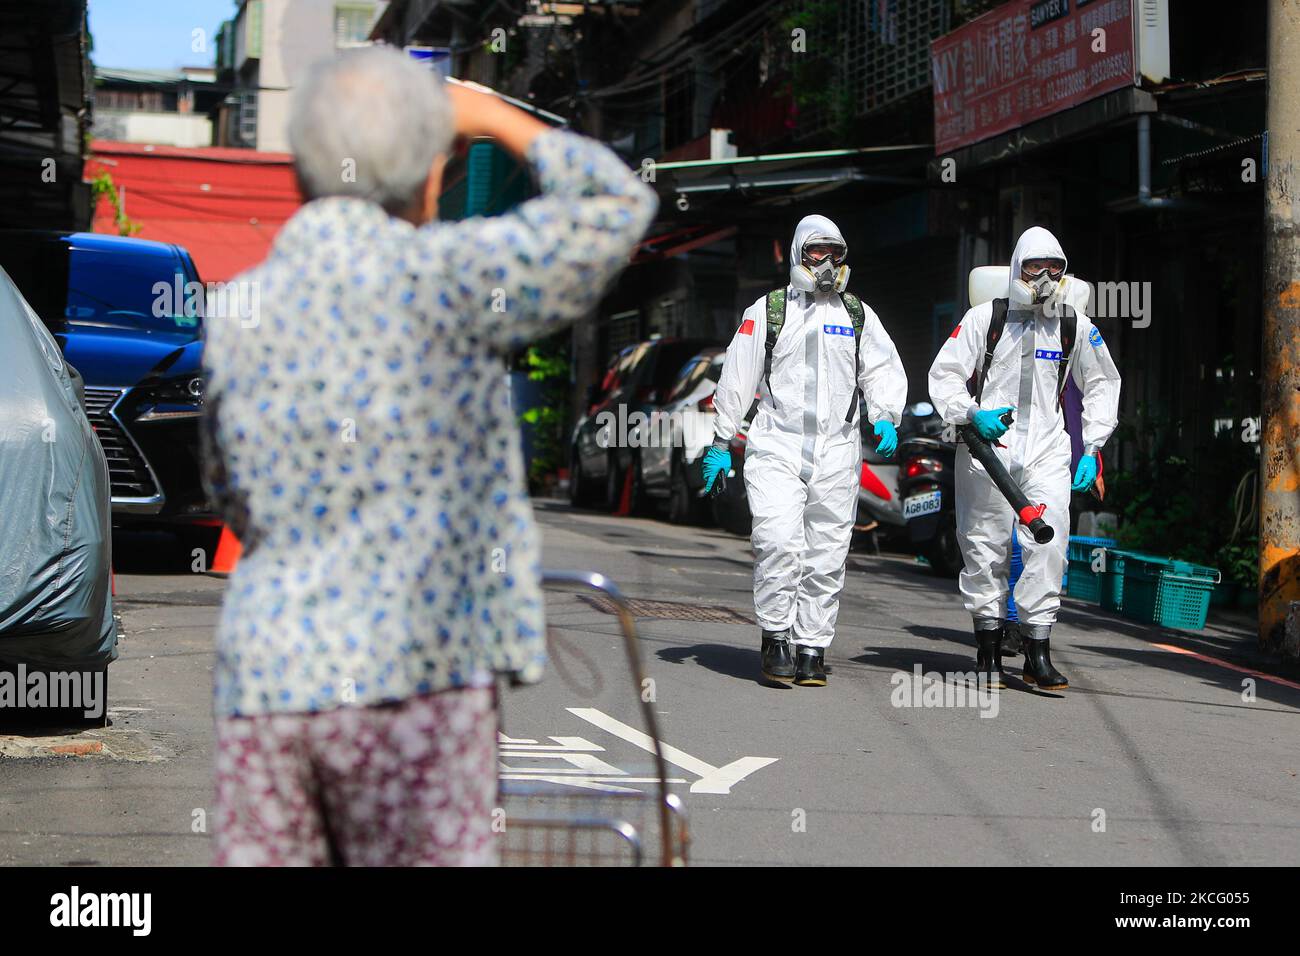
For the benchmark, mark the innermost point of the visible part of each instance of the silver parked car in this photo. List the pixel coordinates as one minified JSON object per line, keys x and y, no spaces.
{"x":676,"y":435}
{"x":56,"y":611}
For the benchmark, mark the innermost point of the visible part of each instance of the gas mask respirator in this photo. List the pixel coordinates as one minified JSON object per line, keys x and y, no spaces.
{"x":828,"y":275}
{"x":1040,"y":287}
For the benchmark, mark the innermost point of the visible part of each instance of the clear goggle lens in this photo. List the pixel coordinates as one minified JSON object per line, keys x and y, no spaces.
{"x":1054,"y":269}
{"x":820,"y":251}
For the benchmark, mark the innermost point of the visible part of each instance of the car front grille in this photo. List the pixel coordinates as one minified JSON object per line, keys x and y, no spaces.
{"x":128,"y":472}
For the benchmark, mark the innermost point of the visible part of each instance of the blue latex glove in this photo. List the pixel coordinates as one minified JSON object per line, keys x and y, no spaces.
{"x":989,"y":423}
{"x":716,"y":461}
{"x":1085,"y":474}
{"x":888,"y":436}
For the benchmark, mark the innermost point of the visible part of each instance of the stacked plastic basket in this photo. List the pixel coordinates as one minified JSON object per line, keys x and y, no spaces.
{"x":1156,"y":590}
{"x":1142,"y":587}
{"x":1081,"y":580}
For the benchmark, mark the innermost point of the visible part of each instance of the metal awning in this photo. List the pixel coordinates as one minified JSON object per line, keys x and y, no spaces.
{"x":677,"y":242}
{"x":825,"y":167}
{"x":547,"y":117}
{"x":1078,"y":121}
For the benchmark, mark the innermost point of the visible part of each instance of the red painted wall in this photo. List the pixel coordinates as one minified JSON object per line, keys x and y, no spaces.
{"x":223,"y":205}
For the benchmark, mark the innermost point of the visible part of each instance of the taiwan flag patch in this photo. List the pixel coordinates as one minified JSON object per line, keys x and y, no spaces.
{"x":747,"y":327}
{"x":955,"y":331}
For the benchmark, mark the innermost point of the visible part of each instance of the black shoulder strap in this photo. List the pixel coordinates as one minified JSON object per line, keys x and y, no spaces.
{"x":1069,"y":329}
{"x":859,"y":316}
{"x":996,"y":325}
{"x":775,"y":322}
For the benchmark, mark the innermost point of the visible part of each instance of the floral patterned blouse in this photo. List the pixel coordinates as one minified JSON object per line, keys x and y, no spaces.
{"x":360,"y":442}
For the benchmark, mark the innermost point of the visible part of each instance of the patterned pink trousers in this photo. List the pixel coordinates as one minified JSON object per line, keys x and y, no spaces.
{"x":406,"y":784}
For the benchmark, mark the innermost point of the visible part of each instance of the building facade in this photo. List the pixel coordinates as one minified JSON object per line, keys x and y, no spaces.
{"x":266,"y":49}
{"x":163,"y":107}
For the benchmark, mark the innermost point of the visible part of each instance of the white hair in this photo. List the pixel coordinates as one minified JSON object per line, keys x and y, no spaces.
{"x":369,"y":123}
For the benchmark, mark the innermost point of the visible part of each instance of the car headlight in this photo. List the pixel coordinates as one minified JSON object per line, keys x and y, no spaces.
{"x":184,"y":391}
{"x":181,"y":397}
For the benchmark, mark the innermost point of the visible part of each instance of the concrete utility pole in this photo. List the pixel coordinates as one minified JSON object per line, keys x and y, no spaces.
{"x":1279,"y":503}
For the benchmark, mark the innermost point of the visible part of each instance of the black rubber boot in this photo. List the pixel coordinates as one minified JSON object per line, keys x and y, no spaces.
{"x":1011,"y":643}
{"x":778,"y":656}
{"x":988,"y":656}
{"x":1038,"y":665}
{"x":810,"y":669}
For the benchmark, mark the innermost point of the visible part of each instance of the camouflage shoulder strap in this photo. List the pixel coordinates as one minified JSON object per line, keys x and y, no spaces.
{"x":856,"y":311}
{"x":859,"y":316}
{"x":775,"y":322}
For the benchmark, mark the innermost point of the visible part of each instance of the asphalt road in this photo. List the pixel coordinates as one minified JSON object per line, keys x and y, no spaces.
{"x":1152,"y":757}
{"x":143,"y":798}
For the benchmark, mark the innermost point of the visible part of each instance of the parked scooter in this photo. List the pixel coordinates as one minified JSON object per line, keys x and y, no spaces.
{"x":927,"y":490}
{"x":880,"y":507}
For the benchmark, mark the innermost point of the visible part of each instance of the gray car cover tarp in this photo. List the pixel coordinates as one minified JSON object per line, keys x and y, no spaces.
{"x":56,"y":610}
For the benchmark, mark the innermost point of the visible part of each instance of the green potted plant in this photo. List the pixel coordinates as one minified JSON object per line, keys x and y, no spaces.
{"x":1239,"y":563}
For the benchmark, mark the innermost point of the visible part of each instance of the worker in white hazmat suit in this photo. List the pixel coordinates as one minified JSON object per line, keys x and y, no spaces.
{"x":818,"y":347}
{"x":982,"y":373}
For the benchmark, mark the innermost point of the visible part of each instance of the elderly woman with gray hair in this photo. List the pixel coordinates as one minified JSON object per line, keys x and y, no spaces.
{"x":360,"y":442}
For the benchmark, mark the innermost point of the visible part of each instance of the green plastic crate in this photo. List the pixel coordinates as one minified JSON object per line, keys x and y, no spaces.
{"x":1170,"y":593}
{"x":1111,"y":582}
{"x":1083,"y":582}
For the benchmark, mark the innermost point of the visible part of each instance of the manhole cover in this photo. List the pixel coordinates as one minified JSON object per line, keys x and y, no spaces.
{"x":671,"y":610}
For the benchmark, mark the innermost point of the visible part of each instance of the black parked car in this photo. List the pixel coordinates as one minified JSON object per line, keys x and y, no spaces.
{"x":636,"y":381}
{"x":127,"y":314}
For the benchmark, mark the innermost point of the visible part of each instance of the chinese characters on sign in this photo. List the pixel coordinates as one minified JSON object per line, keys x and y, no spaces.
{"x":1026,"y":60}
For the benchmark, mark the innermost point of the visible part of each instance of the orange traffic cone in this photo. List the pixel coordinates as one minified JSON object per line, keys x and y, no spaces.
{"x":228,"y":551}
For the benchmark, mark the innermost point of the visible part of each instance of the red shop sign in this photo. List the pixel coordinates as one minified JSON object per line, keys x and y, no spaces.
{"x":1025,"y":60}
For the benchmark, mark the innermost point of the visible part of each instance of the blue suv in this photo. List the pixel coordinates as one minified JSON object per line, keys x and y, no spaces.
{"x":120,"y":311}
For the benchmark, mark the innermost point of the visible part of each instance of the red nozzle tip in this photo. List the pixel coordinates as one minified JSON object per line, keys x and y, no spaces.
{"x":1031,"y":513}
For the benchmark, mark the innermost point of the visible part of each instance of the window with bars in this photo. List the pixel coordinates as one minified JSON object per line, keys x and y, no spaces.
{"x":253,"y":38}
{"x":352,"y":24}
{"x":246,"y":119}
{"x":871,"y":54}
{"x":143,"y":101}
{"x":887,"y":48}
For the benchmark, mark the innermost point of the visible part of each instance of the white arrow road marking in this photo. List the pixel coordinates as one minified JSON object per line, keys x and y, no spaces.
{"x":503,"y":739}
{"x":712,"y":779}
{"x":511,"y":746}
{"x":591,"y":783}
{"x":583,"y":763}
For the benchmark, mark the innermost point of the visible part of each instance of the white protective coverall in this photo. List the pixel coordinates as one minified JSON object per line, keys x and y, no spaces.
{"x":1024,"y":375}
{"x":803,"y":461}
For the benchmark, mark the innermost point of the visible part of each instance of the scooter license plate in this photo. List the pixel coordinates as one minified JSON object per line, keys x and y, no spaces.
{"x":926,"y":504}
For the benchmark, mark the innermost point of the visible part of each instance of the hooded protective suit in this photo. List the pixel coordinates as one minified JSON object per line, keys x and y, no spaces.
{"x":1024,"y":375}
{"x":803,"y":459}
